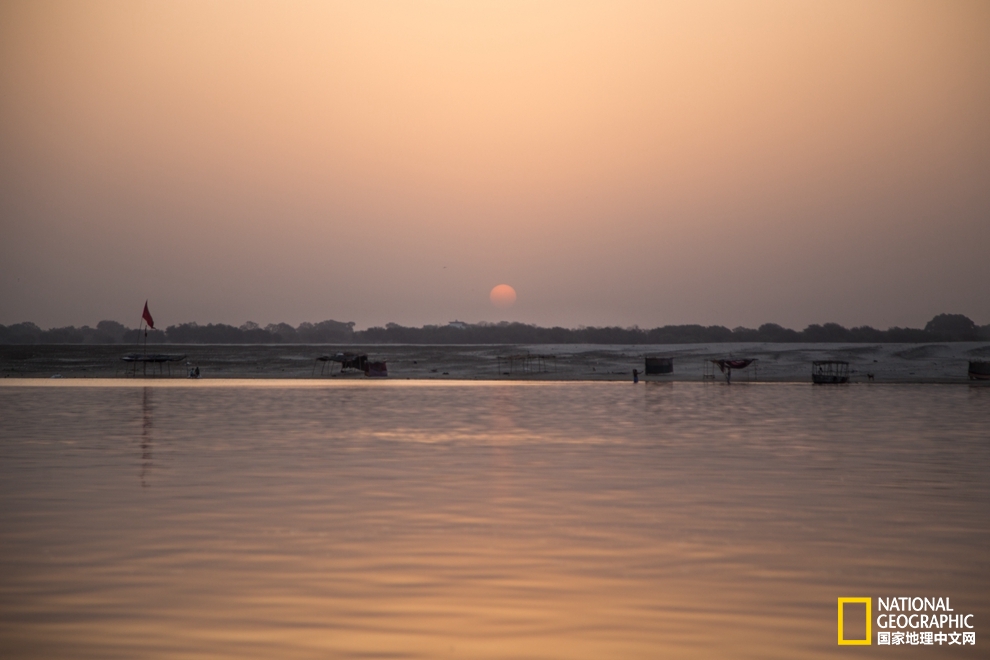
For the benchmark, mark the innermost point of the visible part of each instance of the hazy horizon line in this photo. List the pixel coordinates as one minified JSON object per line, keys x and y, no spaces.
{"x":248,"y":325}
{"x":949,"y":327}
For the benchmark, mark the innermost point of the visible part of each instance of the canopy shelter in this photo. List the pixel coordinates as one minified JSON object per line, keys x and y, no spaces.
{"x":350,"y":362}
{"x":526,"y":363}
{"x":979,"y":370}
{"x":726,"y":365}
{"x":829,"y":372}
{"x":658,"y":365}
{"x":163,"y":361}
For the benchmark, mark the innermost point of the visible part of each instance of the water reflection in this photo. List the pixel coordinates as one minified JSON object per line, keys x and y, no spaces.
{"x":553,"y":521}
{"x":146,"y":419}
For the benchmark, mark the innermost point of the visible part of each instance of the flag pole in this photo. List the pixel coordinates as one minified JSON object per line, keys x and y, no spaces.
{"x":148,"y":323}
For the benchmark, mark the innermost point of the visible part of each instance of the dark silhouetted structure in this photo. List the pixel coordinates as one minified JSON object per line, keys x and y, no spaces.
{"x":727,"y":365}
{"x":657,"y":366}
{"x":350,"y":362}
{"x":979,"y":370}
{"x":162,"y":360}
{"x":829,"y":372}
{"x":526,"y":363}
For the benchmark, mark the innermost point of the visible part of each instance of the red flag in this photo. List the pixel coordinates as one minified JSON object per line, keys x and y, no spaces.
{"x":147,"y":316}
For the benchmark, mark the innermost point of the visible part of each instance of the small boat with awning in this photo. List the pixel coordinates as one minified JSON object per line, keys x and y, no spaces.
{"x":161,"y":359}
{"x":829,"y":372}
{"x":351,"y":362}
{"x":726,"y":365}
{"x":979,"y":370}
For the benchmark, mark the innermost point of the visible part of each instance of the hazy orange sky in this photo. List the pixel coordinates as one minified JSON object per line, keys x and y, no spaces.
{"x":624,"y":163}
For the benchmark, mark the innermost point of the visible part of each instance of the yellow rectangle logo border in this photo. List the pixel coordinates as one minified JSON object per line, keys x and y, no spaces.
{"x":869,"y":635}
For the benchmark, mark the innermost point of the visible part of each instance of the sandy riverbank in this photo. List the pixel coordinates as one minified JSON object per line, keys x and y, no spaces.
{"x":946,"y":362}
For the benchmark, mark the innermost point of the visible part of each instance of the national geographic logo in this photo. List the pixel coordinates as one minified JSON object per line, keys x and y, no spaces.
{"x":854,"y":621}
{"x":904,"y":621}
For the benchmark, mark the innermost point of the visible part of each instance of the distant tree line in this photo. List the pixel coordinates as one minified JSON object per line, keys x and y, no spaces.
{"x":944,"y":327}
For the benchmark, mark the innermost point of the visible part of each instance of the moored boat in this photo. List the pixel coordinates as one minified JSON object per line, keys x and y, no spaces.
{"x":829,"y":372}
{"x":979,"y":370}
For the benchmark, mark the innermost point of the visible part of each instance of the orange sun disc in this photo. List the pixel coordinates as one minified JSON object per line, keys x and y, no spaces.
{"x":503,"y":296}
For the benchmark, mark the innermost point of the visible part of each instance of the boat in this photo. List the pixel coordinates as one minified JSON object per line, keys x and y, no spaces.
{"x":659,"y":365}
{"x":726,"y":366}
{"x":829,"y":372}
{"x":144,"y":359}
{"x":979,"y":370}
{"x":351,"y":362}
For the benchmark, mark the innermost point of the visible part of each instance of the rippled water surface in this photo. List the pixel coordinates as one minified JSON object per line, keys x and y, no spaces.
{"x":549,"y":520}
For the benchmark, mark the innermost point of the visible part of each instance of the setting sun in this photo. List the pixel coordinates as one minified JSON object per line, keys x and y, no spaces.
{"x":503,"y":296}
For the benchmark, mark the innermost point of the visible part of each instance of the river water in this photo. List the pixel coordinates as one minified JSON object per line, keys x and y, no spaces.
{"x":295,"y":519}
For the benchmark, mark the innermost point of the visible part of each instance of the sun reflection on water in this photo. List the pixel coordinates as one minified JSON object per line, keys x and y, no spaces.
{"x":561,"y":520}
